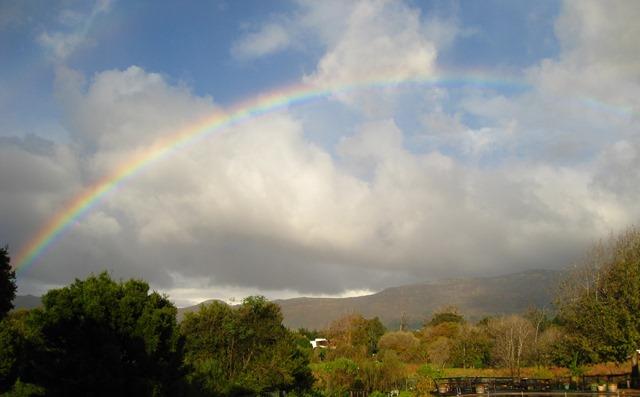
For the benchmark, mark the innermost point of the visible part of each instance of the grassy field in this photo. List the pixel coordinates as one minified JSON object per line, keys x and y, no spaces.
{"x":532,"y":372}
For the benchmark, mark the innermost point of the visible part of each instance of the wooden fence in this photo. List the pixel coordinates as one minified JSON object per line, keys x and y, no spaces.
{"x":480,"y":385}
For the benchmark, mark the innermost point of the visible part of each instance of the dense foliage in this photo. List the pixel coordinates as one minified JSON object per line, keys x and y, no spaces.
{"x":17,"y":354}
{"x":96,"y":337}
{"x":7,"y":283}
{"x":243,"y":351}
{"x":599,"y":303}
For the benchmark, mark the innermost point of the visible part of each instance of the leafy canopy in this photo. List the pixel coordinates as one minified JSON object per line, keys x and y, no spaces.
{"x":101,"y":337}
{"x":242,"y":350}
{"x":598,"y":303}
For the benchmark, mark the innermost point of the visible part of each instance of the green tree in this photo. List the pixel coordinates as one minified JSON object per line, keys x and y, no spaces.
{"x":383,"y":373}
{"x":369,"y":333}
{"x":425,"y":379}
{"x":243,"y":350}
{"x":102,"y":337}
{"x":471,"y":347}
{"x":598,"y":303}
{"x":7,"y":283}
{"x":337,"y":377}
{"x":446,"y":315}
{"x":19,"y":340}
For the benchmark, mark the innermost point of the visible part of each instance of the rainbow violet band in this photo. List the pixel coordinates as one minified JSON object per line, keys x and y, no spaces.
{"x":258,"y":106}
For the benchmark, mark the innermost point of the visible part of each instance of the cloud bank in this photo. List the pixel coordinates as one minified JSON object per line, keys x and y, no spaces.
{"x":493,"y":184}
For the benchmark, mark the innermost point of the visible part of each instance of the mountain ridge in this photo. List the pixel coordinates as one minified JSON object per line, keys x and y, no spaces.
{"x":475,"y":298}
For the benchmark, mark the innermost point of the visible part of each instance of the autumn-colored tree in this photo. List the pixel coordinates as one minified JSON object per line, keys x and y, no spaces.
{"x":439,"y":351}
{"x":512,"y":335}
{"x":354,"y":336}
{"x":404,"y":344}
{"x":540,"y":321}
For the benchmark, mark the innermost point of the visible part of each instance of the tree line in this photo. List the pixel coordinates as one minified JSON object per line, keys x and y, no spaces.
{"x":103,"y":337}
{"x":100,"y":336}
{"x":595,"y":319}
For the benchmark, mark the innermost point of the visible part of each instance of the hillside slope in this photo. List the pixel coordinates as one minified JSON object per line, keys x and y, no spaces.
{"x":475,"y":298}
{"x":26,"y":302}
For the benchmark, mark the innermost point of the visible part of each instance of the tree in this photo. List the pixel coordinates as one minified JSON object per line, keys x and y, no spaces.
{"x":370,"y":333}
{"x":355,"y":336}
{"x":426,"y":375}
{"x":439,"y":351}
{"x":390,"y":371}
{"x":438,"y":335}
{"x":540,"y":321}
{"x":337,"y":377}
{"x":102,"y":337}
{"x":405,"y":344}
{"x":7,"y":283}
{"x":448,"y":314}
{"x":19,"y":340}
{"x":547,"y":349}
{"x":598,"y":302}
{"x":471,"y":347}
{"x":243,"y":350}
{"x":512,"y":336}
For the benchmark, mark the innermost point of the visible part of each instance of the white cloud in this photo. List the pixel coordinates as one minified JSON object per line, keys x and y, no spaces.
{"x":599,"y":58}
{"x":383,"y":40}
{"x":121,"y":112}
{"x":269,"y":39}
{"x":314,"y":23}
{"x":62,"y":44}
{"x":191,"y":291}
{"x":581,"y":101}
{"x":363,"y":40}
{"x":259,"y":208}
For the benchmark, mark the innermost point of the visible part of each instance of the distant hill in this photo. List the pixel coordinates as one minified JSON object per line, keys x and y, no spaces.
{"x":26,"y":302}
{"x":475,"y":298}
{"x":184,"y":310}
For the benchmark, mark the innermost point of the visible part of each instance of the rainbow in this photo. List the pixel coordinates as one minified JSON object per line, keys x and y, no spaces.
{"x":258,"y":106}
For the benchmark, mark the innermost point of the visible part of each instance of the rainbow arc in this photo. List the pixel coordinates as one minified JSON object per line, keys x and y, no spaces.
{"x":270,"y":102}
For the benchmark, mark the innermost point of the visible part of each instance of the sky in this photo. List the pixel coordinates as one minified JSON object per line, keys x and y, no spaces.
{"x":358,"y":144}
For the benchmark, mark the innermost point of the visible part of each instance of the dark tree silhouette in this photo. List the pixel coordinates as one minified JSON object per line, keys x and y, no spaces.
{"x":103,"y":337}
{"x":7,"y":283}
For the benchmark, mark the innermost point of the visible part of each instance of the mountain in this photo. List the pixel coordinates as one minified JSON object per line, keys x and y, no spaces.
{"x":184,"y":310}
{"x":475,"y":298}
{"x":26,"y":302}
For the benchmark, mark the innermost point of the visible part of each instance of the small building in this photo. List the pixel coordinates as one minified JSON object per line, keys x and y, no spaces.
{"x":321,"y":343}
